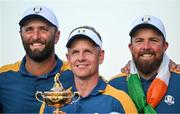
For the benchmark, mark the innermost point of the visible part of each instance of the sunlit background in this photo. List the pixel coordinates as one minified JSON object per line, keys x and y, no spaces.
{"x":111,"y":18}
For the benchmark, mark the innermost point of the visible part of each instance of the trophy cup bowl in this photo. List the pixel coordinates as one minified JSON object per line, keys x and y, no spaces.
{"x":55,"y":99}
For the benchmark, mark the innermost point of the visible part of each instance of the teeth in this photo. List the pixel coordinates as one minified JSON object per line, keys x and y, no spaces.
{"x":36,"y":44}
{"x":147,"y":55}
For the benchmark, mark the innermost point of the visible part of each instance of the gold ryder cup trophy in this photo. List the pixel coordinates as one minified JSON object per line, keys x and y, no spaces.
{"x":57,"y":97}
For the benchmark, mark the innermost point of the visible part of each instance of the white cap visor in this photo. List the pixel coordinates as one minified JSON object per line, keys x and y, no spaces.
{"x":85,"y":32}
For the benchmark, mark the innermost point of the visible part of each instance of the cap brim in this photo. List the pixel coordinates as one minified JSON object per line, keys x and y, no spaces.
{"x":144,"y":25}
{"x":76,"y":37}
{"x":32,"y":16}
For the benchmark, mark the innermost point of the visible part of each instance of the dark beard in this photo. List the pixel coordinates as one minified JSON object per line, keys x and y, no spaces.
{"x":37,"y":55}
{"x":147,"y":67}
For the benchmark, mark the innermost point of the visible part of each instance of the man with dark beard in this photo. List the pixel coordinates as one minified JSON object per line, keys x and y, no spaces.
{"x":150,"y":84}
{"x":20,"y":81}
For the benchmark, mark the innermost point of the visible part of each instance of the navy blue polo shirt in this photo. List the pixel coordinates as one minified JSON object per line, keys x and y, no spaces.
{"x":18,"y":87}
{"x":170,"y":103}
{"x":95,"y":102}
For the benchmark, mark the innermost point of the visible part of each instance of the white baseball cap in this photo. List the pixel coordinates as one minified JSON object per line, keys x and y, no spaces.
{"x":148,"y":21}
{"x":85,"y":31}
{"x":39,"y":11}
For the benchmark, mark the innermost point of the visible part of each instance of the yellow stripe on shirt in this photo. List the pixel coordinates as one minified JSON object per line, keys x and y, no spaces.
{"x":13,"y":67}
{"x":124,"y":99}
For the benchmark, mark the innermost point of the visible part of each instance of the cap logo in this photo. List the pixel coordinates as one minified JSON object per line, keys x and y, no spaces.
{"x":145,"y":19}
{"x":80,"y":31}
{"x":37,"y":9}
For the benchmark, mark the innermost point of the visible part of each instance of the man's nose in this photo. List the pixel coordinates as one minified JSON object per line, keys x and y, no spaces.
{"x":36,"y":34}
{"x":146,"y":45}
{"x":81,"y":57}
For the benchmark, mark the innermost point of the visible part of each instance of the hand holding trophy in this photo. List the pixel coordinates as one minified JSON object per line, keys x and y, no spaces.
{"x":57,"y":96}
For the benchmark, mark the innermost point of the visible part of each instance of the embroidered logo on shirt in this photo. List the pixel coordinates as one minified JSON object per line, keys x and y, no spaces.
{"x":169,"y":99}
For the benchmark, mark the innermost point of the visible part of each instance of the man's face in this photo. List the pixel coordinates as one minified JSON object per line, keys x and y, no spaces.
{"x":84,"y":58}
{"x":147,"y":50}
{"x":38,"y":38}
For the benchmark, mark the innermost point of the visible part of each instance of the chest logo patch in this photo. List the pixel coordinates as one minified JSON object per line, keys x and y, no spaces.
{"x":169,"y":100}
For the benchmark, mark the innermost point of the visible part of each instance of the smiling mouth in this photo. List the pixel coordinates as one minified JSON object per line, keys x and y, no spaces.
{"x":81,"y":65}
{"x":147,"y":55}
{"x":37,"y":45}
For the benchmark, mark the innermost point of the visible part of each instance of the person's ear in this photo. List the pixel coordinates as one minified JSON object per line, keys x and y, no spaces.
{"x":101,"y":56}
{"x":57,"y":36}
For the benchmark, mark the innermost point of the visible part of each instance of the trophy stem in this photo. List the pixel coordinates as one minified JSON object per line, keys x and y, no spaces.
{"x":58,"y":111}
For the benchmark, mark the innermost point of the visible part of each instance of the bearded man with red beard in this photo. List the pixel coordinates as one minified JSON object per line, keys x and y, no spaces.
{"x":151,"y":84}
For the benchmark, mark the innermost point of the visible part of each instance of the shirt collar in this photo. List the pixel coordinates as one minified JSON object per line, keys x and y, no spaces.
{"x":151,"y":79}
{"x":99,"y":88}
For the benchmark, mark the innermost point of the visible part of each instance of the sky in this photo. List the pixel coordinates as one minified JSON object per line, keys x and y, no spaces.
{"x":111,"y":18}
